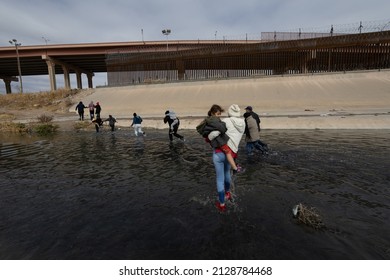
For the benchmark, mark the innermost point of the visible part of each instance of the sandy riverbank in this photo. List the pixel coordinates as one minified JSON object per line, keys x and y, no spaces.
{"x":357,"y":100}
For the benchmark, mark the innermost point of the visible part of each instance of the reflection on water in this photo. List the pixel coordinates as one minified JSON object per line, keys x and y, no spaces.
{"x":114,"y":196}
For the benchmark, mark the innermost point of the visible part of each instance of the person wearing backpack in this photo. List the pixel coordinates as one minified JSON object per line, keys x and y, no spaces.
{"x":174,"y":123}
{"x":137,"y":120}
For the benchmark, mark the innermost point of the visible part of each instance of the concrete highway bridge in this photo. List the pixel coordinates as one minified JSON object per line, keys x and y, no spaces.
{"x":80,"y":58}
{"x":162,"y":61}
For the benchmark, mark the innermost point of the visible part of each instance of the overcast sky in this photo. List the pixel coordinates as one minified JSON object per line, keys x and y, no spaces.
{"x":32,"y":22}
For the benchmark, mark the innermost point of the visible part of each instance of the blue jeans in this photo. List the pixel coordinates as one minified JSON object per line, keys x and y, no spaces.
{"x":256,"y":145}
{"x":222,"y":170}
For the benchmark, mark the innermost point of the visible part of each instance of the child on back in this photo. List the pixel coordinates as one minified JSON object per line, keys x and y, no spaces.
{"x":214,"y":130}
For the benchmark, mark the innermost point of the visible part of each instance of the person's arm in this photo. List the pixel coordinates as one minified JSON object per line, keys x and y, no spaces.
{"x":220,"y":126}
{"x":213,"y":134}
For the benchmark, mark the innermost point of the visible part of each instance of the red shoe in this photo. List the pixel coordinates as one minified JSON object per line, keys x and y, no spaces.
{"x":239,"y":169}
{"x":228,"y":196}
{"x":220,"y":207}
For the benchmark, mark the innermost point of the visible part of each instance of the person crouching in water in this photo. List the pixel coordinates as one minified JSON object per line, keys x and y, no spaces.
{"x":174,"y":123}
{"x":98,"y":123}
{"x":111,"y":121}
{"x":214,"y":131}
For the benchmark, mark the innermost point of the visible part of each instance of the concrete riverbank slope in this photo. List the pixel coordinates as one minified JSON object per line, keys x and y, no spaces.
{"x":357,"y":100}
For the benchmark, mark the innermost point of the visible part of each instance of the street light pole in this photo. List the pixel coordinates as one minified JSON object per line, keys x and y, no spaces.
{"x":166,"y":32}
{"x":15,"y":42}
{"x":45,"y":39}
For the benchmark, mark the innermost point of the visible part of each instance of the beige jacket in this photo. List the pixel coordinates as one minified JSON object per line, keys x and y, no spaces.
{"x":252,"y":130}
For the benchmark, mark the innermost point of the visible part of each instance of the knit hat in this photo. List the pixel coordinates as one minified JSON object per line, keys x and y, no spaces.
{"x":234,"y":111}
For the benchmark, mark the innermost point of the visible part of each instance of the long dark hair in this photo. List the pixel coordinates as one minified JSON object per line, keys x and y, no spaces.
{"x":214,"y":109}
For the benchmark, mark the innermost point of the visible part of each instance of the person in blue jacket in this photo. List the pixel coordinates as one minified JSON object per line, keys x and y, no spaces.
{"x":137,"y":120}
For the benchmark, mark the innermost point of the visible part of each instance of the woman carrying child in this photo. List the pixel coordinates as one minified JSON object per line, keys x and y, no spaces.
{"x":224,"y":136}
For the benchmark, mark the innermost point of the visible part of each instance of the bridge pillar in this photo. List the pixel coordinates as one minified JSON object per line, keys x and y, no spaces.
{"x":90,"y":84}
{"x":79,"y":81}
{"x":51,"y":62}
{"x":52,"y":74}
{"x":66,"y":76}
{"x":7,"y":82}
{"x":7,"y":85}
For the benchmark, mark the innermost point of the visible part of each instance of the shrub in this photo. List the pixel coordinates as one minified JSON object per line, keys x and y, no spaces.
{"x":44,"y":118}
{"x":46,"y":129}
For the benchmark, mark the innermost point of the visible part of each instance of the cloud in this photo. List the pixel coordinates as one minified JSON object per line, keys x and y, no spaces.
{"x":90,"y":21}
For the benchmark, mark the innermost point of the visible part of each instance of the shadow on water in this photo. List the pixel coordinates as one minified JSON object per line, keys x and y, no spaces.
{"x":116,"y":196}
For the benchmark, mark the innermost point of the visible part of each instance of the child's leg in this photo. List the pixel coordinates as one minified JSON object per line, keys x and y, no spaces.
{"x":230,"y":159}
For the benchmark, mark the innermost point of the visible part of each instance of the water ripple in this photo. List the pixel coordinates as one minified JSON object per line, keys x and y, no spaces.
{"x":115,"y":196}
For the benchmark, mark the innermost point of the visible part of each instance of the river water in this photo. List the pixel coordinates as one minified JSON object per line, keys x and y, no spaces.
{"x":86,"y":195}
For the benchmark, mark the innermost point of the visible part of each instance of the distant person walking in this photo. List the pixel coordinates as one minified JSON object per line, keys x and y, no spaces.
{"x":174,"y":123}
{"x":80,"y":109}
{"x":91,"y":107}
{"x":111,"y":122}
{"x":98,"y":109}
{"x":137,"y":120}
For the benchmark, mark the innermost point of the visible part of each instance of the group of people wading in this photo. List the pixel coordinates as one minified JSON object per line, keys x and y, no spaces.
{"x":223,"y":135}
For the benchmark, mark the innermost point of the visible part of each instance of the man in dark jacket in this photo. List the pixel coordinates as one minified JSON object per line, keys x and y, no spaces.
{"x":98,"y":109}
{"x":80,"y":109}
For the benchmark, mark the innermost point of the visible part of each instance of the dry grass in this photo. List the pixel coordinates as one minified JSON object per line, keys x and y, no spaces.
{"x":58,"y":99}
{"x":80,"y":125}
{"x":15,"y":127}
{"x":41,"y":128}
{"x":6,"y":117}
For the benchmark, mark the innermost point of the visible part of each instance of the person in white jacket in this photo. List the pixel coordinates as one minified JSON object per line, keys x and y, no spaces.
{"x":235,"y":129}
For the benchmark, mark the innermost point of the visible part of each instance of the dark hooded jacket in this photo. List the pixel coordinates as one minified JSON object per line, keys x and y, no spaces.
{"x":213,"y":123}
